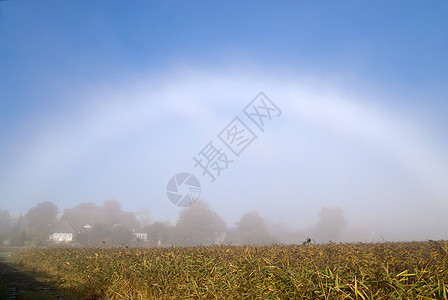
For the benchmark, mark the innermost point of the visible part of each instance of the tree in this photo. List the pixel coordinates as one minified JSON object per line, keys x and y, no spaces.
{"x":160,"y":231}
{"x":112,"y":206}
{"x":18,"y":235}
{"x":38,"y":222}
{"x":252,"y":230}
{"x":119,"y":234}
{"x":199,"y":225}
{"x":330,"y":225}
{"x":42,"y":215}
{"x":144,"y":217}
{"x":86,"y":206}
{"x":98,"y":233}
{"x":5,"y":225}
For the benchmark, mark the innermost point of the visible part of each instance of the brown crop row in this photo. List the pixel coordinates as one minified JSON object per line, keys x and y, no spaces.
{"x":412,"y":270}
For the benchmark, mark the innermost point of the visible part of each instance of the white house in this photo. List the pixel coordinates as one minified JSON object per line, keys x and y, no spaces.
{"x":62,"y":232}
{"x":140,"y":236}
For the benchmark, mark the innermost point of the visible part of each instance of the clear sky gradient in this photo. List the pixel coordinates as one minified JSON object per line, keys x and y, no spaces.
{"x":109,"y":99}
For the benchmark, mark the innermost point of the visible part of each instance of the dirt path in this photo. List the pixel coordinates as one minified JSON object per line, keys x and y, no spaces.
{"x":16,"y":284}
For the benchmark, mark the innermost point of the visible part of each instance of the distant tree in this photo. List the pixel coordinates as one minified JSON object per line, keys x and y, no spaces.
{"x":252,"y":230}
{"x":330,"y":225}
{"x":84,"y":238}
{"x":160,"y":231}
{"x":42,"y":215}
{"x":97,"y":234}
{"x":86,"y":206}
{"x":199,"y":225}
{"x":119,"y":235}
{"x":285,"y":234}
{"x":144,"y":217}
{"x":5,"y":225}
{"x":18,"y":234}
{"x":18,"y":239}
{"x":38,"y":222}
{"x":112,"y":206}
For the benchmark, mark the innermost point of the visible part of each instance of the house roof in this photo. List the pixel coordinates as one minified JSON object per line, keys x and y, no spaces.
{"x":62,"y":226}
{"x":78,"y":218}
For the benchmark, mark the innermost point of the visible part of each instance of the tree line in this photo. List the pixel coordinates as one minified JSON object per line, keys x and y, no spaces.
{"x":109,"y":225}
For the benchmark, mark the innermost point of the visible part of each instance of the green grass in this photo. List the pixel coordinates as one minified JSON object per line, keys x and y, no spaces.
{"x":415,"y":270}
{"x":5,"y":255}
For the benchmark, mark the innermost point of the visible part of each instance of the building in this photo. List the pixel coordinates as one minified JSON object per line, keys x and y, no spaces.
{"x":62,"y":232}
{"x":78,"y":224}
{"x":141,"y":236}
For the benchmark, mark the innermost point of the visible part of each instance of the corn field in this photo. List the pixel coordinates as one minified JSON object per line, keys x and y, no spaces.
{"x":412,"y":270}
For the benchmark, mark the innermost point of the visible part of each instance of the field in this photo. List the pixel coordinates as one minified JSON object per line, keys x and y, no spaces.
{"x":413,"y":270}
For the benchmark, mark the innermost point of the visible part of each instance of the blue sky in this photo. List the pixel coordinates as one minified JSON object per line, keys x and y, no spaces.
{"x":106,"y":100}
